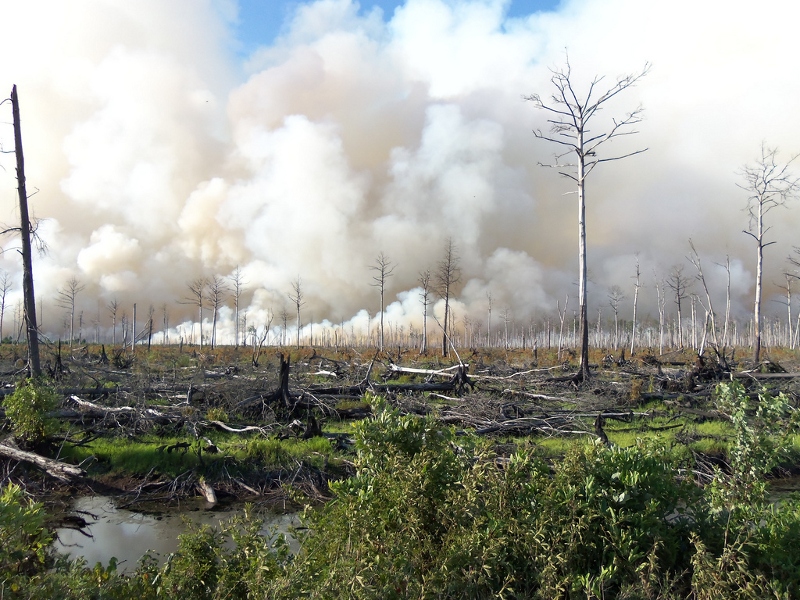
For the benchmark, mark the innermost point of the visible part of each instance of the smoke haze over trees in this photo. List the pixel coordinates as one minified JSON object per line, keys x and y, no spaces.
{"x":161,"y":157}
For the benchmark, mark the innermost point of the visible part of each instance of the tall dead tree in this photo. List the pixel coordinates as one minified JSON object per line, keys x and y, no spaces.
{"x":425,"y":297}
{"x":726,"y":325}
{"x":448,"y":273}
{"x":769,"y":184}
{"x":793,"y":335}
{"x":569,"y":126}
{"x":561,"y":316}
{"x":636,"y":287}
{"x":489,"y":321}
{"x":694,"y":258}
{"x":679,"y":284}
{"x":297,"y":299}
{"x":216,"y":292}
{"x":25,"y":231}
{"x":5,"y":286}
{"x":238,"y":281}
{"x":661,"y":302}
{"x":66,"y":300}
{"x":383,"y":269}
{"x":615,"y":296}
{"x":165,"y":322}
{"x":151,"y":311}
{"x":113,"y":309}
{"x":197,"y":294}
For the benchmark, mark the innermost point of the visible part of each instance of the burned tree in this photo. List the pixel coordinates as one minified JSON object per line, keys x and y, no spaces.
{"x":113,"y":308}
{"x":636,"y":287}
{"x":769,"y":184}
{"x":5,"y":286}
{"x":238,"y":281}
{"x":383,"y":268}
{"x":165,"y":322}
{"x":694,"y":258}
{"x":216,"y":292}
{"x":25,"y":231}
{"x":425,"y":296}
{"x":297,"y":299}
{"x":66,"y":300}
{"x":679,"y":284}
{"x":569,"y":126}
{"x":197,"y":294}
{"x":448,"y":273}
{"x":615,"y":296}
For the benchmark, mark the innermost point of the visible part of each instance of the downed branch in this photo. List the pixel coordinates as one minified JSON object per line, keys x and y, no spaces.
{"x":57,"y":469}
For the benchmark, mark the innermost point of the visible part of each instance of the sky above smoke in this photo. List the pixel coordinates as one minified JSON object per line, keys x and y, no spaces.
{"x":165,"y":145}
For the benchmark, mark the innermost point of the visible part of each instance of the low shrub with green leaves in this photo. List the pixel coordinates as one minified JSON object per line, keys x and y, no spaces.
{"x":432,"y":514}
{"x":27,"y":410}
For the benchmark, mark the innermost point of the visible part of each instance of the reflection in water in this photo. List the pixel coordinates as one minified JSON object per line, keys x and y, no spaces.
{"x":129,"y":535}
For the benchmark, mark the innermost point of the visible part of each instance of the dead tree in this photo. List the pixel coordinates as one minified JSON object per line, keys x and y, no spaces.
{"x":448,"y":273}
{"x":25,"y":231}
{"x":216,"y":292}
{"x":238,"y":281}
{"x":66,"y":300}
{"x":425,"y":297}
{"x":661,"y":301}
{"x":489,"y":321}
{"x":297,"y":299}
{"x":615,"y":296}
{"x":506,"y":315}
{"x":636,"y":287}
{"x":285,"y":322}
{"x":5,"y":286}
{"x":679,"y":284}
{"x":787,"y":289}
{"x":151,"y":311}
{"x":694,"y":258}
{"x":725,"y":328}
{"x":769,"y":184}
{"x":383,"y":268}
{"x":561,"y":315}
{"x":165,"y":322}
{"x":197,"y":294}
{"x":113,"y":308}
{"x":569,"y":126}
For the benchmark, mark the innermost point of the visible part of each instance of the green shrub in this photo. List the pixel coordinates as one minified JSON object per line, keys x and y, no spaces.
{"x":27,"y":410}
{"x":23,"y":539}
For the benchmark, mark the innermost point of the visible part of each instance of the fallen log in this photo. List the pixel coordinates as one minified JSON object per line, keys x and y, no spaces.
{"x":754,"y":375}
{"x":207,"y":491}
{"x":57,"y":469}
{"x":244,"y":429}
{"x":540,"y":396}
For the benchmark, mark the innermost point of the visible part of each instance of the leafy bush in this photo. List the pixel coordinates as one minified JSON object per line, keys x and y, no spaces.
{"x":23,"y":539}
{"x":27,"y":409}
{"x":431,"y":514}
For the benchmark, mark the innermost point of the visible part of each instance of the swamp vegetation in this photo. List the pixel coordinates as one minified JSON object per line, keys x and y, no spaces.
{"x":495,"y":475}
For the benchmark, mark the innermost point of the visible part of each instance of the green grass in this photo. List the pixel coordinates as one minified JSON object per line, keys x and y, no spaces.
{"x":120,"y":456}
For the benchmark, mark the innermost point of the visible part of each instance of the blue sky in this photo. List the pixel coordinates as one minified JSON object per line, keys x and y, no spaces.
{"x":260,"y":20}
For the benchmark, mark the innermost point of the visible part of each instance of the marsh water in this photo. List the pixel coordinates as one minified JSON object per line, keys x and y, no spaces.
{"x":128,"y":534}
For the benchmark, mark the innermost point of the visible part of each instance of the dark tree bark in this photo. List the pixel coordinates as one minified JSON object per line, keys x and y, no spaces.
{"x":25,"y":235}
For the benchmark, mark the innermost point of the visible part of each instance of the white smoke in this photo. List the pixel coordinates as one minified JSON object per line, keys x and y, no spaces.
{"x":160,"y":157}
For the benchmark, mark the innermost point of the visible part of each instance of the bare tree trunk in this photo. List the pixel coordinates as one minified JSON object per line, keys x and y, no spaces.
{"x":561,"y":316}
{"x":582,"y":298}
{"x":25,"y":235}
{"x":635,"y":302}
{"x":727,"y":302}
{"x":489,"y":323}
{"x":759,"y":276}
